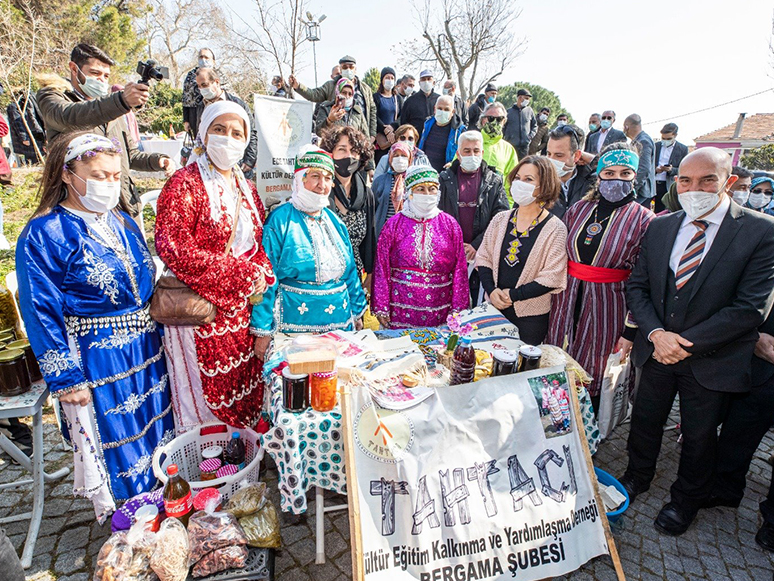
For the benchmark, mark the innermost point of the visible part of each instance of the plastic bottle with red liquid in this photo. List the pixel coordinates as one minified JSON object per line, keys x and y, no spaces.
{"x":464,"y":362}
{"x":177,"y":496}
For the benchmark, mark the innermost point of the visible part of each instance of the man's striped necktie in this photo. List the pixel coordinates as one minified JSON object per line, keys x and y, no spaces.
{"x":691,"y":259}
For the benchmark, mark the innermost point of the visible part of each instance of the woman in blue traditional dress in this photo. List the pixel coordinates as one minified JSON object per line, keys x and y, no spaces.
{"x":318,"y":287}
{"x":85,"y":283}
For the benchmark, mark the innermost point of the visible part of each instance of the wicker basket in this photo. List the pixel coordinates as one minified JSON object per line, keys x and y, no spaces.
{"x":186,"y":452}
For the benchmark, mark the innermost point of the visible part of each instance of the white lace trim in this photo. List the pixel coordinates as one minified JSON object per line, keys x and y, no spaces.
{"x":134,"y":401}
{"x":55,"y":362}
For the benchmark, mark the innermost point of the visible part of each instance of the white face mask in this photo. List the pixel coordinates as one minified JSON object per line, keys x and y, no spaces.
{"x":697,"y":204}
{"x":470,"y":163}
{"x":389,"y":84}
{"x":348,"y":74}
{"x":741,"y":196}
{"x":424,"y":205}
{"x":523,"y":194}
{"x":209,"y":93}
{"x":446,"y":91}
{"x":561,"y":123}
{"x":667,"y":142}
{"x":100,"y":197}
{"x":442,"y":117}
{"x":225,"y":152}
{"x":561,"y":169}
{"x":399,"y":163}
{"x":758,"y":201}
{"x":93,"y":87}
{"x":308,"y":201}
{"x":525,"y":103}
{"x":205,"y":63}
{"x":426,"y":86}
{"x":543,"y":118}
{"x":408,"y":91}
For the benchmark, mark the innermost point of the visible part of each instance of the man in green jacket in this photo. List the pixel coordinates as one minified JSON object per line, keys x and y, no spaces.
{"x":363,"y":94}
{"x":84,"y":103}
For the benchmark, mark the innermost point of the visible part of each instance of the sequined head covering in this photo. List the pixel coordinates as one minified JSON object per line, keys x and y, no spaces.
{"x":341,"y":83}
{"x":89,"y":145}
{"x":624,"y":157}
{"x":420,"y":174}
{"x":314,"y":158}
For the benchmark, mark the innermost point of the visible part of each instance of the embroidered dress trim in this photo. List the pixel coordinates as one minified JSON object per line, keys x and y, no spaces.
{"x":78,"y":387}
{"x":55,"y":362}
{"x":229,"y":367}
{"x":130,"y":439}
{"x":134,"y":401}
{"x":101,"y":275}
{"x":260,"y":332}
{"x":146,"y":461}
{"x":120,"y":338}
{"x":313,"y":291}
{"x":139,"y":321}
{"x":132,"y":371}
{"x":225,"y":329}
{"x":423,"y":308}
{"x":419,"y":284}
{"x":227,"y":404}
{"x":292,"y":328}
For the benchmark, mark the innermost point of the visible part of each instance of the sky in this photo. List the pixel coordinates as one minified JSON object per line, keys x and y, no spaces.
{"x":660,"y":59}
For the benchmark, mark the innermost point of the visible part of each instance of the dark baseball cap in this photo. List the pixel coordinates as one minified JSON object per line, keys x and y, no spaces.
{"x":490,"y":87}
{"x":523,"y":93}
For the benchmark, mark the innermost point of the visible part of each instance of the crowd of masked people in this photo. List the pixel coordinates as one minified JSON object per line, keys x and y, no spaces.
{"x":412,"y":206}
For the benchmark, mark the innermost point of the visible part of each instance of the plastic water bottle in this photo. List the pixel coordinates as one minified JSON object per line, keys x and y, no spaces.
{"x":235,"y":451}
{"x":464,"y":363}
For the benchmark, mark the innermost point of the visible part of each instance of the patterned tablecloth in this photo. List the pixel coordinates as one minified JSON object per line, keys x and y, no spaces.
{"x":308,"y":447}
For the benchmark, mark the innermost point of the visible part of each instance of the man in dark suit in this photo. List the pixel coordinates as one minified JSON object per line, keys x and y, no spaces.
{"x":669,"y":154}
{"x":606,"y":135}
{"x":700,"y":289}
{"x":645,"y":182}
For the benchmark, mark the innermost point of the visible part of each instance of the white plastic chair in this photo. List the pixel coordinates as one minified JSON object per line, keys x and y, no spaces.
{"x":151,"y":198}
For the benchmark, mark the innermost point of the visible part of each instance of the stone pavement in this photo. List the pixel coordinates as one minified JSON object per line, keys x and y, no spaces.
{"x":719,"y":545}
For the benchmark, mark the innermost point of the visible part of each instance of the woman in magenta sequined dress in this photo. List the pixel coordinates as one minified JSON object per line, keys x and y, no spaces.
{"x":420,"y":275}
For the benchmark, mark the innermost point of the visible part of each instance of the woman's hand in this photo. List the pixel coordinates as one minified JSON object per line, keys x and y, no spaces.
{"x":368,"y":284}
{"x":259,"y":286}
{"x":359,"y":324}
{"x":261,"y":345}
{"x":81,"y":397}
{"x":384,"y":320}
{"x":625,"y":347}
{"x":500,"y":299}
{"x":336,"y":114}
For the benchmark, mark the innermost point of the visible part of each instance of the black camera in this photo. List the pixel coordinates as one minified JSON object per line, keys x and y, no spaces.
{"x":151,"y":70}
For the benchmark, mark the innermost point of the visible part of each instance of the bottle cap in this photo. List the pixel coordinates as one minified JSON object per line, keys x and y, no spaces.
{"x":235,"y":435}
{"x":172,"y":469}
{"x":465,"y":340}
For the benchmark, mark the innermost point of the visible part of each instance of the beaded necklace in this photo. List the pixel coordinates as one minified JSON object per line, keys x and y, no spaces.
{"x":512,"y":258}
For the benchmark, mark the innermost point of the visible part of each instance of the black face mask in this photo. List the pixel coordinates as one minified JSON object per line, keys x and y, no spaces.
{"x":346,"y":166}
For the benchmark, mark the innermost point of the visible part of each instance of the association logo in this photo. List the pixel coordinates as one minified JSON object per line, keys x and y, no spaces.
{"x":383,"y":435}
{"x":289,"y":129}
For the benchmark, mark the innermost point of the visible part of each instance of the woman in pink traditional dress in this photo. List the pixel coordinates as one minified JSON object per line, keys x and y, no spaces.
{"x":589,"y":319}
{"x":213,"y":369}
{"x":420,"y":275}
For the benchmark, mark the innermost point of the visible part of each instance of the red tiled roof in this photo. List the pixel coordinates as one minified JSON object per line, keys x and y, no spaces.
{"x":755,"y":127}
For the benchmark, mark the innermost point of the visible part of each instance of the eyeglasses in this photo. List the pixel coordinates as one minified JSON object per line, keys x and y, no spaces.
{"x":406,"y":138}
{"x":608,"y":118}
{"x":761,"y":191}
{"x":497,"y":119}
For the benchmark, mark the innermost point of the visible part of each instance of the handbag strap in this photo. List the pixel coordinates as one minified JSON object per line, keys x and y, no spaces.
{"x":236,"y":220}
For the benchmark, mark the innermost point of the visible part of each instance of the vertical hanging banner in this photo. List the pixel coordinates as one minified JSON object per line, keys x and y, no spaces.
{"x":482,"y":481}
{"x":283,"y":126}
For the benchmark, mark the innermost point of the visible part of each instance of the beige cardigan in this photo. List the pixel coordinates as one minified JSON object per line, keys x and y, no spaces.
{"x":546,"y":263}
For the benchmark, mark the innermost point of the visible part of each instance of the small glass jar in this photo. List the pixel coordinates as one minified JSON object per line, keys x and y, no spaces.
{"x":213,"y":452}
{"x":323,"y":391}
{"x":209,"y":468}
{"x":295,"y":390}
{"x":227,"y":470}
{"x":504,"y":362}
{"x":529,"y":358}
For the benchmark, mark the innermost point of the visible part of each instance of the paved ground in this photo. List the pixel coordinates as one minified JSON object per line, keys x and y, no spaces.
{"x":719,"y":546}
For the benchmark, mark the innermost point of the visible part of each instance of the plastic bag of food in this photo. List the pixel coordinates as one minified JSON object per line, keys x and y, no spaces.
{"x":247,"y":500}
{"x":170,"y":558}
{"x":209,"y":531}
{"x":220,"y":560}
{"x":262,"y":528}
{"x":126,"y":556}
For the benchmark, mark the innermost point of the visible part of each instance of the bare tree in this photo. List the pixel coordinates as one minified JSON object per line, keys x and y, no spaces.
{"x":274,"y":32}
{"x":472,"y":41}
{"x":21,"y":30}
{"x":173,"y":27}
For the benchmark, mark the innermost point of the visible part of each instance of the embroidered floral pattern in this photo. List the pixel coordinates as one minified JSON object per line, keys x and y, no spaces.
{"x":119,"y":338}
{"x":303,"y":308}
{"x":135,"y":400}
{"x":54,"y":363}
{"x":101,"y":276}
{"x":330,"y":309}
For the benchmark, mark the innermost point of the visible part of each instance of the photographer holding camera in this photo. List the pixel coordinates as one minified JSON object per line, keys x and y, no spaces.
{"x":84,"y":102}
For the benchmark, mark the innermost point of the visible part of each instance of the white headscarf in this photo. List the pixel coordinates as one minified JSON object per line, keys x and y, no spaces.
{"x":214,"y":182}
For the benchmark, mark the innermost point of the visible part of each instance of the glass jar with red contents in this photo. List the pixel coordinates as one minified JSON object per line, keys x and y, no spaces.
{"x":323,"y":392}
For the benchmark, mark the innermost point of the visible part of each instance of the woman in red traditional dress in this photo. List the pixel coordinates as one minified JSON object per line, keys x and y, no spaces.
{"x":213,"y":369}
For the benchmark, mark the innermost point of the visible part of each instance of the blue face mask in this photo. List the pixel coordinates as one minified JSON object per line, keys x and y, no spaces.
{"x":593,"y":127}
{"x":606,"y":124}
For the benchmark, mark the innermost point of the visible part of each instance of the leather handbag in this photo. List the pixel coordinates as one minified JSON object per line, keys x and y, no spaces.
{"x":175,"y":303}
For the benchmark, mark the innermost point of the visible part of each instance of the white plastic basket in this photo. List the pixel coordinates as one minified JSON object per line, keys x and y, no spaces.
{"x":186,"y":452}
